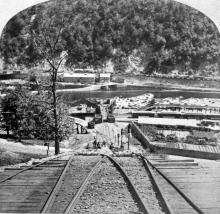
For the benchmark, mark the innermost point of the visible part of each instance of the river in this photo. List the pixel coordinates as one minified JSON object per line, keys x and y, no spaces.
{"x":130,"y":91}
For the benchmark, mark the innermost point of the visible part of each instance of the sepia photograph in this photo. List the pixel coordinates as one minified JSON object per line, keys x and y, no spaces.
{"x":110,"y":106}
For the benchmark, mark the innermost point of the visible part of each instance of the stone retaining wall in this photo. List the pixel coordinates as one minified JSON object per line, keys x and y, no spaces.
{"x":146,"y":143}
{"x":136,"y":131}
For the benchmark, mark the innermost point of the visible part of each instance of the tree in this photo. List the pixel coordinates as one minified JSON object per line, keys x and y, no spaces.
{"x":29,"y":115}
{"x":93,"y":32}
{"x":18,"y":112}
{"x":47,"y":39}
{"x":9,"y":112}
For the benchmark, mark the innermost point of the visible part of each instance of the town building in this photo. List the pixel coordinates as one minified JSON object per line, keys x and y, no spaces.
{"x":104,"y":77}
{"x":79,"y":77}
{"x":1,"y":65}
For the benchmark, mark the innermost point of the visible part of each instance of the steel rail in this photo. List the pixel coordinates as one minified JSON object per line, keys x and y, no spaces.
{"x":31,"y":167}
{"x":168,"y":208}
{"x":80,"y":191}
{"x":186,"y":198}
{"x":50,"y":200}
{"x":120,"y":168}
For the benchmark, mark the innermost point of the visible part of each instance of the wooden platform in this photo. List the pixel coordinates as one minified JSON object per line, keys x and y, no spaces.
{"x":27,"y":192}
{"x":200,"y":183}
{"x":200,"y":148}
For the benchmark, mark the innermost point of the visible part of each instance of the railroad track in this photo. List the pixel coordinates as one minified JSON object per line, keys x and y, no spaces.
{"x":71,"y":184}
{"x":95,"y":184}
{"x":45,"y":187}
{"x":92,"y":183}
{"x":107,"y":190}
{"x":157,"y":191}
{"x":129,"y":185}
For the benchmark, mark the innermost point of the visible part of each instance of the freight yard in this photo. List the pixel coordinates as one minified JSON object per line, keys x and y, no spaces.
{"x":131,"y":180}
{"x":122,"y":167}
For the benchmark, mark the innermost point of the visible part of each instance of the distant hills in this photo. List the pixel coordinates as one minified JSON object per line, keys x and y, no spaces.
{"x":136,"y":36}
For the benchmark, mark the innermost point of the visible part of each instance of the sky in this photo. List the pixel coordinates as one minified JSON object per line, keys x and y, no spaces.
{"x":8,"y":8}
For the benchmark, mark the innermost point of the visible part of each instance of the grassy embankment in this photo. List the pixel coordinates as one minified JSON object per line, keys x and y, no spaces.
{"x":11,"y":158}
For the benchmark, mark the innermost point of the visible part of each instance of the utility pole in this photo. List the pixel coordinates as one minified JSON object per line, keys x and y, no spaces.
{"x":118,"y":135}
{"x":129,"y":135}
{"x":113,"y":137}
{"x":129,"y":138}
{"x":122,"y":132}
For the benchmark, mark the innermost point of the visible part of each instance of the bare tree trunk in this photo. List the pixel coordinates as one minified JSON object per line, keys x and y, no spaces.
{"x":56,"y":137}
{"x":56,"y":127}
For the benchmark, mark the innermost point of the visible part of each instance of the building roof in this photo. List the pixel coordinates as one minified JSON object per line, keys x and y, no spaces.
{"x":168,"y":121}
{"x":107,"y":75}
{"x":84,"y":75}
{"x":182,"y":106}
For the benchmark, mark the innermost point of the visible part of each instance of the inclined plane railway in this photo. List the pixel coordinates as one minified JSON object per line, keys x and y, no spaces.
{"x":95,"y":184}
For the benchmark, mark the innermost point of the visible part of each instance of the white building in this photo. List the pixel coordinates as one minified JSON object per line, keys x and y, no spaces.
{"x":79,"y":77}
{"x":104,"y":77}
{"x":1,"y":64}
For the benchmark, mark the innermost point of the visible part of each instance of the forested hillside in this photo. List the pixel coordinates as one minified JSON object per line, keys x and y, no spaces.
{"x":163,"y":35}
